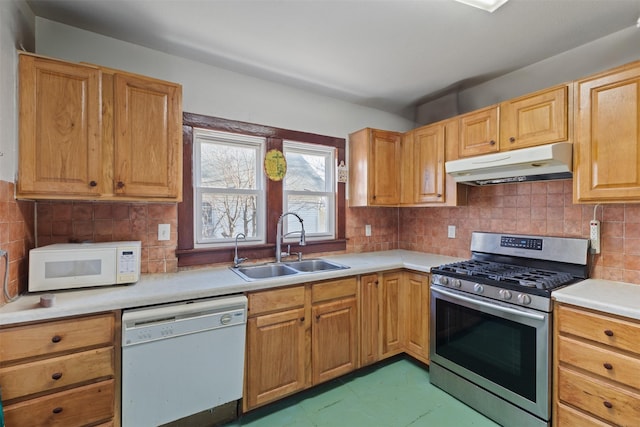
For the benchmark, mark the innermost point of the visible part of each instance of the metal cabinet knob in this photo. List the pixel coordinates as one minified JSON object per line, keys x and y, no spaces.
{"x":607,"y":404}
{"x":93,"y":184}
{"x":120,"y":184}
{"x":608,"y":332}
{"x":512,"y":140}
{"x":492,"y":142}
{"x":56,"y":339}
{"x":56,"y":376}
{"x":607,"y":366}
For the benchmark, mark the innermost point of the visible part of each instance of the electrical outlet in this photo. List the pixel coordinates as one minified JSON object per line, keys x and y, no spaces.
{"x":164,"y":231}
{"x":594,"y":236}
{"x":367,"y":230}
{"x":451,"y":232}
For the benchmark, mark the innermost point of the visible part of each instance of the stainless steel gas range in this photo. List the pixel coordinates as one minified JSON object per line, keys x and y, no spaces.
{"x":491,"y":323}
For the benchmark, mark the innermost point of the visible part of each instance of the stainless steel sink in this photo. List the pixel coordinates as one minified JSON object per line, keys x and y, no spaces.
{"x":313,"y":265}
{"x":264,"y":271}
{"x":269,"y":271}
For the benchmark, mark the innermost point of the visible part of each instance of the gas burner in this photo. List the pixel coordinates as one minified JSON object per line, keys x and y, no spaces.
{"x":517,"y":275}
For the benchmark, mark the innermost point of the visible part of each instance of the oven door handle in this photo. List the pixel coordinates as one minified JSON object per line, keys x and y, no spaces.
{"x":491,"y":306}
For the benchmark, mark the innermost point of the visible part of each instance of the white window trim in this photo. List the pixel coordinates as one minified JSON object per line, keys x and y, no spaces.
{"x":330,"y":180}
{"x":204,"y":135}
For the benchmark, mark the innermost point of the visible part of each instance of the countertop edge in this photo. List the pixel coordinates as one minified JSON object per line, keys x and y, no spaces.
{"x":618,"y":298}
{"x":209,"y":282}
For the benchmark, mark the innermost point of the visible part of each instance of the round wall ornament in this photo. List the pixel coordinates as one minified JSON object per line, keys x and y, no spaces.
{"x":275,"y":165}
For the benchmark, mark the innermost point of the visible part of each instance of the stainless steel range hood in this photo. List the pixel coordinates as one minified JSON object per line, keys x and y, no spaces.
{"x":544,"y":162}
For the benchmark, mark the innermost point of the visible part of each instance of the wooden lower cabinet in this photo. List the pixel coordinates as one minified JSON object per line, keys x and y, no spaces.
{"x":390,"y":312}
{"x":298,"y":337}
{"x":61,"y":373}
{"x":596,"y":368}
{"x":416,"y":315}
{"x":334,"y":341}
{"x":369,"y":319}
{"x":394,"y":316}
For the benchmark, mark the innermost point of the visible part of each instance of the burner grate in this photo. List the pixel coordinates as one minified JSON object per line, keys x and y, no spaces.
{"x":515,"y":274}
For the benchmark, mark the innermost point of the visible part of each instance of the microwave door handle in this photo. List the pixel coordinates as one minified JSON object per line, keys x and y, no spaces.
{"x":533,"y":316}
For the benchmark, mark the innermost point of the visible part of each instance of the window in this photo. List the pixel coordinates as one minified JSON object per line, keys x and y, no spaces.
{"x":309,"y":189}
{"x":216,"y":206}
{"x":228,"y":188}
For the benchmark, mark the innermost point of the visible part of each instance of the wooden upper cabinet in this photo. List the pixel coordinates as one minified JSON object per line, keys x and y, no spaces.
{"x":60,"y":122}
{"x":535,"y":119}
{"x":607,"y":136}
{"x":93,"y":133}
{"x":148,"y":133}
{"x":375,"y":157}
{"x":479,"y":132}
{"x":429,"y":155}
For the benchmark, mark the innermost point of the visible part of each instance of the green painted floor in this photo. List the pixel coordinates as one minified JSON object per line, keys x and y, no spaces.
{"x":395,"y":393}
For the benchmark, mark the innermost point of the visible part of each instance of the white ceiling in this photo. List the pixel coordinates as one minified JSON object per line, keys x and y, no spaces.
{"x":387,"y":54}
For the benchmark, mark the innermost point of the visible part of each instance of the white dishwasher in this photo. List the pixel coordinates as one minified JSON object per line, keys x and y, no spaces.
{"x":180,"y":359}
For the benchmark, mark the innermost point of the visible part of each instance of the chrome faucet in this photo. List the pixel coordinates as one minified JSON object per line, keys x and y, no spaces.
{"x":279,"y":237}
{"x":237,"y":261}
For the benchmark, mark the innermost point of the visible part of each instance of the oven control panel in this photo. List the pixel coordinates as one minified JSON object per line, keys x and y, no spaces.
{"x":521,"y":243}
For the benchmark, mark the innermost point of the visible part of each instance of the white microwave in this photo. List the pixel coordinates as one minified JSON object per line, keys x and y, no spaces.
{"x":82,"y":265}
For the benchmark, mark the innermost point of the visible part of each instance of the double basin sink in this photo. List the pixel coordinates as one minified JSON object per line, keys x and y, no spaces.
{"x":271,"y":270}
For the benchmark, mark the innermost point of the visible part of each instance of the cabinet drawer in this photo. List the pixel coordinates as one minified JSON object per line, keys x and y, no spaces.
{"x":614,"y":404}
{"x":275,"y":300}
{"x":600,"y":361}
{"x":49,"y":374}
{"x":607,"y":330}
{"x":569,"y":417}
{"x":333,"y":289}
{"x":56,"y":337}
{"x":75,"y":407}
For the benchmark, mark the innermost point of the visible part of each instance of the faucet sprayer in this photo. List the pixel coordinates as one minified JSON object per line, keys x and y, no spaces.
{"x":279,"y":236}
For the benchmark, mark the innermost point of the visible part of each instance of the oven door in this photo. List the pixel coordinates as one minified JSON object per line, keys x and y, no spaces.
{"x":502,"y":348}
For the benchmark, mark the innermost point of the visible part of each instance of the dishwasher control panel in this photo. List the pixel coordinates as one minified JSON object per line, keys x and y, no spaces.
{"x":172,"y":320}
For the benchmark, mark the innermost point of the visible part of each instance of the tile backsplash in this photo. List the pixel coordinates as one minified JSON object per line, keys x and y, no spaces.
{"x":59,"y":222}
{"x":539,"y":208}
{"x":16,"y":237}
{"x":544,"y":208}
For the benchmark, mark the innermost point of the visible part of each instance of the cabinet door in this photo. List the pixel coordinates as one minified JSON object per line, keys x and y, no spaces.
{"x":479,"y":132}
{"x":607,"y":139}
{"x":334,"y":339}
{"x":60,"y":153}
{"x":384,"y":168}
{"x":369,"y":318}
{"x":535,"y":119}
{"x":428,"y":158}
{"x":417,"y":315}
{"x":276,"y":356}
{"x":147,"y":137}
{"x":390,"y":309}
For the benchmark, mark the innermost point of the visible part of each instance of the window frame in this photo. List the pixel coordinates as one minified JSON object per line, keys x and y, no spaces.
{"x":330,"y":184}
{"x":257,"y":144}
{"x":189,"y":255}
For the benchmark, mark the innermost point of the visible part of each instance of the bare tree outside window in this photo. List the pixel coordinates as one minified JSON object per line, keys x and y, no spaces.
{"x":228,"y":189}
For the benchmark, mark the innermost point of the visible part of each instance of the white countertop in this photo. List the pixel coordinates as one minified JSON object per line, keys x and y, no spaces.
{"x":201,"y":283}
{"x":611,"y":297}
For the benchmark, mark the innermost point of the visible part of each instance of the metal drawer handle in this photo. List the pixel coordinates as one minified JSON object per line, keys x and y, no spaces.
{"x":607,"y":404}
{"x":607,"y":366}
{"x":56,"y":338}
{"x":57,"y":410}
{"x":608,"y":332}
{"x":56,"y":376}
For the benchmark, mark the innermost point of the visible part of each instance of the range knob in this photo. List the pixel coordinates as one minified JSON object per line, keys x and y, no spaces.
{"x":478,"y":288}
{"x":443,"y":280}
{"x":457,"y":283}
{"x":505,"y":294}
{"x":524,"y":299}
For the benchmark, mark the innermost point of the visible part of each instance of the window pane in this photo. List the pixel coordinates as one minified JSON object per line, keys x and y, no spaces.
{"x":225,"y":215}
{"x":226,"y":166}
{"x":305,"y":172}
{"x":314,"y":211}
